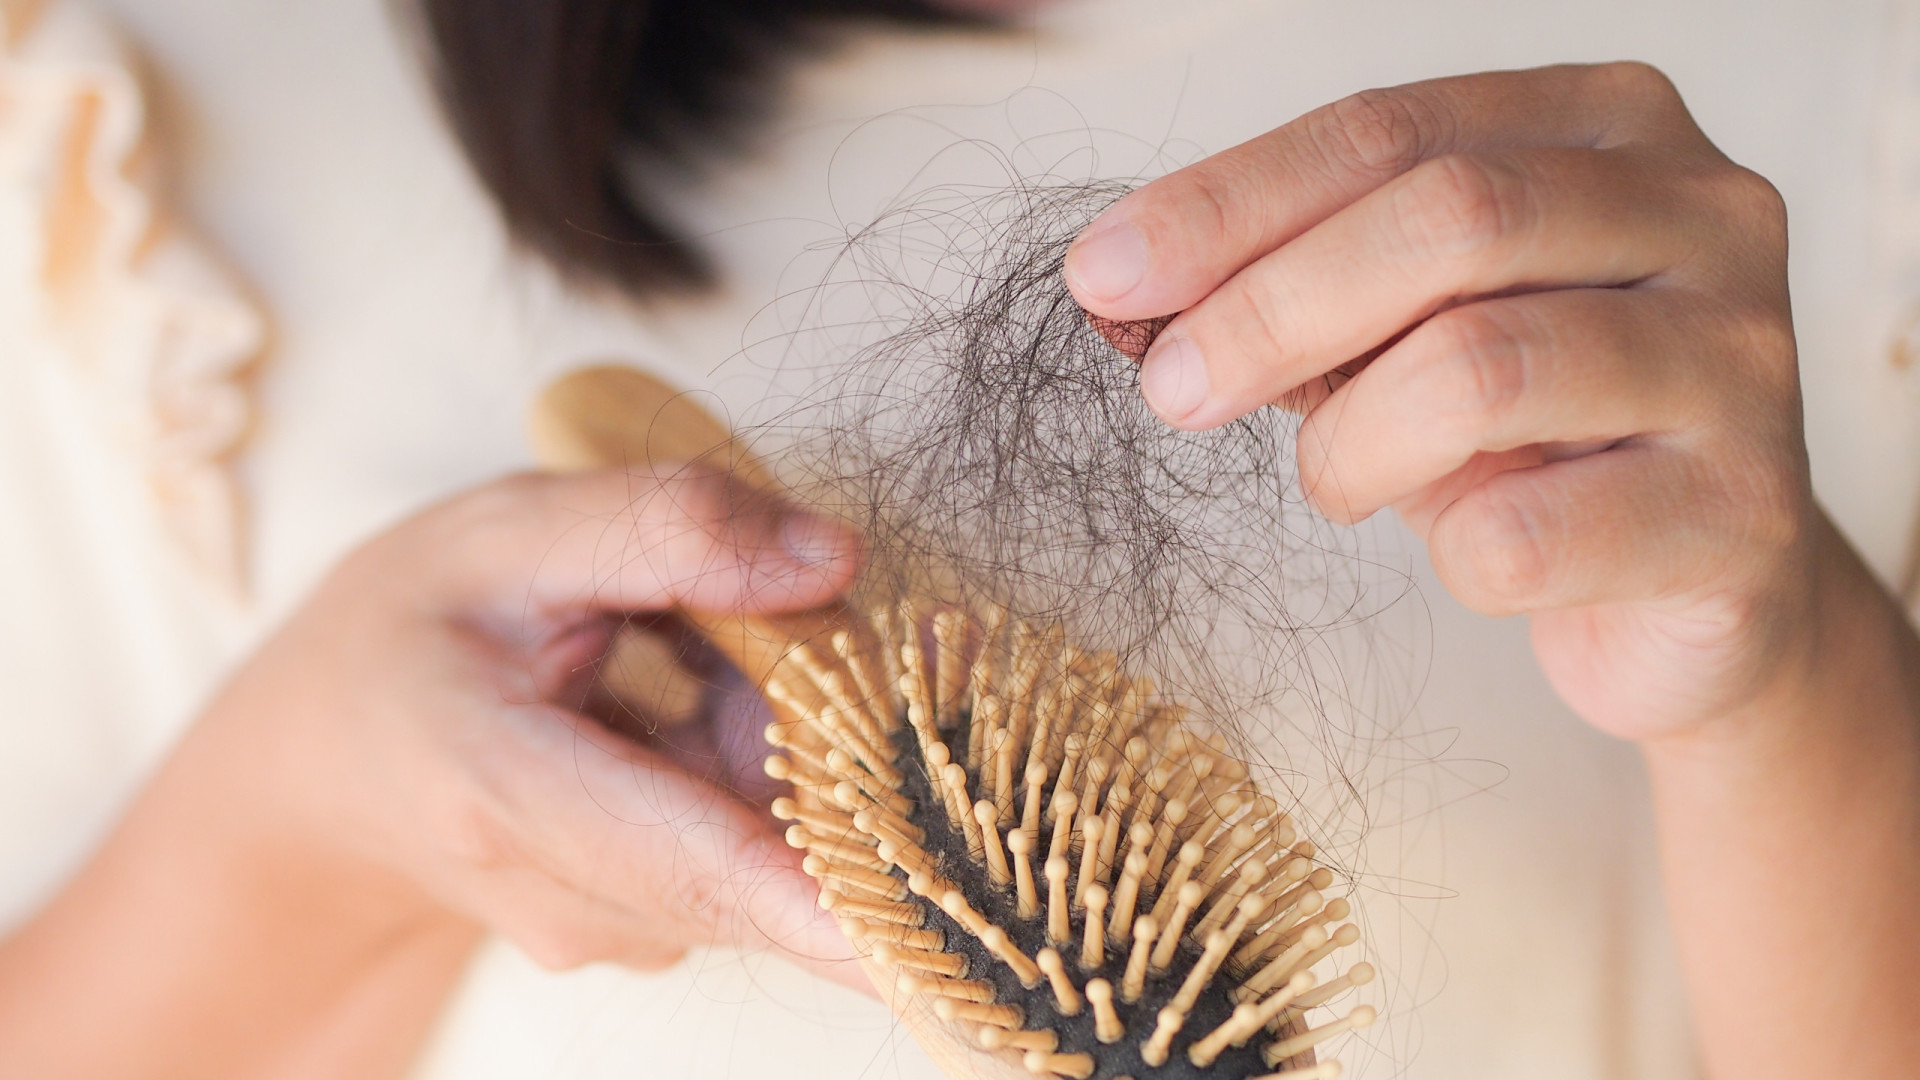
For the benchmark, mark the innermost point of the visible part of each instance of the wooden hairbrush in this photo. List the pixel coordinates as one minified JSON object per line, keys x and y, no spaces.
{"x":1049,"y":870}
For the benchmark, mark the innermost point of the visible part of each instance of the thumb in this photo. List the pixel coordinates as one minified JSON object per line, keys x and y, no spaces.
{"x":671,"y":536}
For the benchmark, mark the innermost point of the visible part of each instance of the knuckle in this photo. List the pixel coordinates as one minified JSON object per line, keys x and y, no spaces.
{"x":1768,"y":336}
{"x":1502,"y":554}
{"x":558,"y":946}
{"x":650,"y":956}
{"x":1380,"y":132}
{"x":1201,"y":202}
{"x":1314,"y":451}
{"x":688,"y":515}
{"x":1756,"y":204}
{"x":1320,"y":476}
{"x":1262,"y":339}
{"x":469,"y":815}
{"x":496,"y":502}
{"x":1478,"y":368}
{"x":1636,"y":80}
{"x":1764,"y":346}
{"x":1772,"y":506}
{"x":693,"y":495}
{"x":473,"y":834}
{"x":1459,"y":205}
{"x":698,"y":897}
{"x":474,"y":520}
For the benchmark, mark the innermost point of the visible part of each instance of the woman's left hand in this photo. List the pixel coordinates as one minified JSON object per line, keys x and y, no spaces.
{"x":1543,"y":318}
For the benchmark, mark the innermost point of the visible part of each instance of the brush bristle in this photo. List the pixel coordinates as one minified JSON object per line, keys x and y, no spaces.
{"x":1067,"y":866}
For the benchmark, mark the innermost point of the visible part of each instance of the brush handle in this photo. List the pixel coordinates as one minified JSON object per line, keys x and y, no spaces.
{"x":602,"y":417}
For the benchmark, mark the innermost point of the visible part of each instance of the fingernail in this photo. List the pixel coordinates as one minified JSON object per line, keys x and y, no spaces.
{"x":814,"y":540}
{"x":1173,"y":377}
{"x":1107,"y":262}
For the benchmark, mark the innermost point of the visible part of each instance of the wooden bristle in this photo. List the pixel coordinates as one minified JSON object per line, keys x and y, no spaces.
{"x":944,"y":964}
{"x":1028,"y":896}
{"x":1170,"y":821}
{"x":999,"y":872}
{"x":1064,"y":805}
{"x":1075,"y":1066}
{"x":959,"y":989}
{"x":1093,"y":953}
{"x":1072,"y":872}
{"x":1166,"y":1025}
{"x":1091,"y":828}
{"x":1176,"y":886}
{"x":1107,"y":1026}
{"x":858,"y":929}
{"x":902,"y":914}
{"x":1326,"y":1070}
{"x":1281,"y":1051}
{"x":1000,"y":944}
{"x":993,"y":1038}
{"x":1294,"y":911}
{"x":1000,"y":1016}
{"x":1188,"y":898}
{"x":1059,"y":918}
{"x":1064,"y":993}
{"x":1359,"y":975}
{"x":1135,"y":981}
{"x":1129,"y":894}
{"x":1003,"y":747}
{"x":1030,"y":812}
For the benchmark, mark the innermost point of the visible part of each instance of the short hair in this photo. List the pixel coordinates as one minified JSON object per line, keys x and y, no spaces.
{"x":565,"y":108}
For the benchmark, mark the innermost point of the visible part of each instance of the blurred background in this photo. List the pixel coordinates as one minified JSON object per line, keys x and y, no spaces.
{"x":358,"y":298}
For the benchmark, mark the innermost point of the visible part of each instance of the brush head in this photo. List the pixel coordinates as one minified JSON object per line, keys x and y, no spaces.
{"x":1067,"y":872}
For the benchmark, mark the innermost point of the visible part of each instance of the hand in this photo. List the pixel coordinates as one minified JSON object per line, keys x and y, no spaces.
{"x":1543,"y":318}
{"x":417,"y":724}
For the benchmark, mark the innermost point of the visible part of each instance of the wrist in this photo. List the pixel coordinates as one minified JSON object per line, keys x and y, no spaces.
{"x":217,"y":938}
{"x":1838,"y":657}
{"x":1797,"y":810}
{"x":280,"y":843}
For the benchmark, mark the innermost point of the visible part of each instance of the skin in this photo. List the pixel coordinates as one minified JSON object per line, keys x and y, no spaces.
{"x":1543,"y":319}
{"x":398,"y":767}
{"x":1535,"y":313}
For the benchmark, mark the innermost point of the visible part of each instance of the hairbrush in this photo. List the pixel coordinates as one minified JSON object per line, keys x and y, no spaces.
{"x":1049,"y":869}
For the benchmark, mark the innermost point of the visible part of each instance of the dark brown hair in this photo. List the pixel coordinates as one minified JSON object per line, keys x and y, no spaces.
{"x":568,"y":109}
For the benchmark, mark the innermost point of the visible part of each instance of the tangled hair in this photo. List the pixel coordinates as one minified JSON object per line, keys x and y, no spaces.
{"x":575,"y":113}
{"x":989,"y":440}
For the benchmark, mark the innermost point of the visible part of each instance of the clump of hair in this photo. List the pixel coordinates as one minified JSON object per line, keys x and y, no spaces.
{"x":990,"y":441}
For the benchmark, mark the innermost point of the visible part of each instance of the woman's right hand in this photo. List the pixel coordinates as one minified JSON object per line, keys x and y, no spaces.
{"x":406,"y":761}
{"x":421,"y":715}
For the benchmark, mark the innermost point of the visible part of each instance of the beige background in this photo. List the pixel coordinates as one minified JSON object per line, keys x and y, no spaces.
{"x":406,"y":343}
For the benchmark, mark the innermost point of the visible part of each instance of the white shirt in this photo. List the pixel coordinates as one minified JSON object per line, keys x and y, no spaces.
{"x":1512,"y":903}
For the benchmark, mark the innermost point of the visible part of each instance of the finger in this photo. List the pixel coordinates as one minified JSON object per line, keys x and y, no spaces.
{"x":619,"y":822}
{"x":1164,"y":247}
{"x":776,"y":905}
{"x":1638,"y":522}
{"x":1456,"y":227}
{"x":564,"y":546}
{"x":727,"y":879}
{"x":560,"y":927}
{"x":1575,"y":366}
